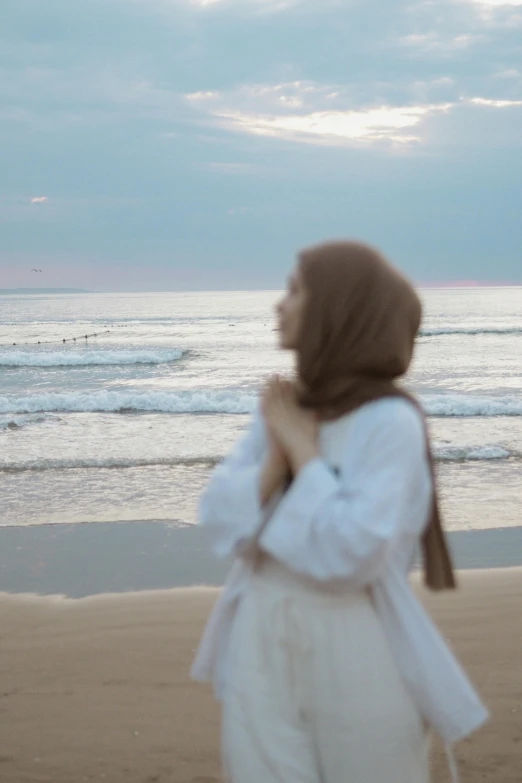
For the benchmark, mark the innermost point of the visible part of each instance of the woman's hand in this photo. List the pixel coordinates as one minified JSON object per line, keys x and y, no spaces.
{"x":292,"y":428}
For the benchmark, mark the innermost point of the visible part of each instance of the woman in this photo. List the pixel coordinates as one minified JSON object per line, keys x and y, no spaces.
{"x":327,"y":665}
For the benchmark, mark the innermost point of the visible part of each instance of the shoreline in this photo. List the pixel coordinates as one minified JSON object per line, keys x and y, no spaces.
{"x":86,"y":559}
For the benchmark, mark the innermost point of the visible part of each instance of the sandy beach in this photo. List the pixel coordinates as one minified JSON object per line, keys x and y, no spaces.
{"x":98,"y":688}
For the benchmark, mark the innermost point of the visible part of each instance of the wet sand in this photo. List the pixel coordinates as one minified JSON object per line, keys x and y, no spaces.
{"x":98,"y":689}
{"x":114,"y":557}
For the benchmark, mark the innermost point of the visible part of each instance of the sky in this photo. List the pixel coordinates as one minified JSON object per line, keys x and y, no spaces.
{"x":199,"y":144}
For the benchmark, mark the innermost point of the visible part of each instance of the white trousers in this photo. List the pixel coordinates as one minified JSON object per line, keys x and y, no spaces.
{"x":313,"y":694}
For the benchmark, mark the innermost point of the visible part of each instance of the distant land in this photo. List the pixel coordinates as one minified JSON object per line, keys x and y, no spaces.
{"x":7,"y":291}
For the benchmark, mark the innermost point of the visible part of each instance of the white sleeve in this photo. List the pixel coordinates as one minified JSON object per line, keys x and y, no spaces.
{"x":230,"y":507}
{"x":345,"y":527}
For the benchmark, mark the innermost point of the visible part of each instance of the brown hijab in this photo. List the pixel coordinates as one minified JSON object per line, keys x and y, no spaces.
{"x":360,"y":323}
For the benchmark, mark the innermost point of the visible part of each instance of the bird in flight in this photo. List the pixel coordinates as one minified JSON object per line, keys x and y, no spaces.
{"x":36,"y":270}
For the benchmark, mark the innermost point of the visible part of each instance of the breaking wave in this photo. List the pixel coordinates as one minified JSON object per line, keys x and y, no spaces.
{"x":491,"y":452}
{"x":475,"y":453}
{"x":108,"y":463}
{"x":447,"y":330}
{"x":86,"y":358}
{"x":228,"y":401}
{"x":204,"y":401}
{"x":463,"y":405}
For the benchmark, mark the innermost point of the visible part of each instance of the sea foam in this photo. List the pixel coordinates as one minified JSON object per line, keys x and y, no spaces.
{"x":87,"y":358}
{"x":204,"y":401}
{"x":471,"y":330}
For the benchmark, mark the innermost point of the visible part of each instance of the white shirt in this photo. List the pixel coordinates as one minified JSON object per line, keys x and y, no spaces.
{"x":354,"y":515}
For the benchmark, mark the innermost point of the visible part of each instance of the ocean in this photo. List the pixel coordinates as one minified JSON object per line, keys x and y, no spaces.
{"x":126,"y":424}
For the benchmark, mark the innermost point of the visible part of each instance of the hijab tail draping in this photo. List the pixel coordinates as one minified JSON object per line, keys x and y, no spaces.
{"x":438,"y":568}
{"x":439,"y":573}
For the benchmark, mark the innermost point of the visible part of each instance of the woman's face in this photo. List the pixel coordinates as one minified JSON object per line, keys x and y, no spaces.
{"x":290,"y":311}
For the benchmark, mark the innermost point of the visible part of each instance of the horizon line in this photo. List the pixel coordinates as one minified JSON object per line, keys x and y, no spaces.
{"x":68,"y":290}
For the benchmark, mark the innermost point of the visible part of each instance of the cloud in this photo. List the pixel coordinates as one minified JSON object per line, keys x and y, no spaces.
{"x":436,"y":42}
{"x":312,"y":113}
{"x":495,"y":104}
{"x":38,"y":199}
{"x":325,"y":114}
{"x":386,"y":123}
{"x":496,"y":13}
{"x":496,"y":3}
{"x":509,"y":73}
{"x":202,"y":95}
